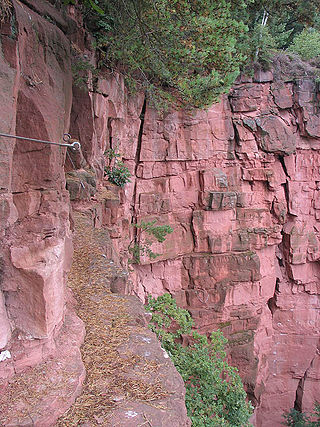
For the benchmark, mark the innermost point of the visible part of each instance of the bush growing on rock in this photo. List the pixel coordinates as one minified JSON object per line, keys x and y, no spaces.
{"x":116,"y":171}
{"x":118,"y":174}
{"x":140,"y":246}
{"x":214,"y":391}
{"x":295,"y":418}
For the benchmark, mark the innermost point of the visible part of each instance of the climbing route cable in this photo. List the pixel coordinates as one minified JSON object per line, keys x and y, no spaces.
{"x":75,"y":145}
{"x":66,"y":138}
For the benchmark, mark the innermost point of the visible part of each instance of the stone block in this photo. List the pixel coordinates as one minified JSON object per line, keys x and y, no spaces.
{"x":282,"y":94}
{"x":275,"y":136}
{"x":246,"y":97}
{"x":222,"y":200}
{"x":261,"y":76}
{"x":5,"y":329}
{"x":209,"y":270}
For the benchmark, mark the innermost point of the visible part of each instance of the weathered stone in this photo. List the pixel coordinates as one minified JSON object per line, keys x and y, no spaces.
{"x":222,"y":200}
{"x":81,"y":184}
{"x":245,"y":98}
{"x":282,"y":95}
{"x":261,"y":76}
{"x":233,"y":181}
{"x":275,"y":135}
{"x":306,"y":99}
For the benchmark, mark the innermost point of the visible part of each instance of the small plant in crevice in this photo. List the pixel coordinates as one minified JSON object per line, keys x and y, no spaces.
{"x":118,"y":174}
{"x":214,"y":392}
{"x":141,"y":245}
{"x":116,"y":171}
{"x":295,"y":418}
{"x":81,"y":69}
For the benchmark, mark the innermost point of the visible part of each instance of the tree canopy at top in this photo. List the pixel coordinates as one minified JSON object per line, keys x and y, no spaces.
{"x":189,"y":51}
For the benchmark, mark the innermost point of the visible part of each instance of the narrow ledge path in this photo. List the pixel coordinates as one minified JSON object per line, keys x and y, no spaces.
{"x":130,"y":381}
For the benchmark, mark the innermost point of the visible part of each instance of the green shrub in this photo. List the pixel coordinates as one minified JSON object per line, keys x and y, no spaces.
{"x":262,"y":46}
{"x":80,"y":69}
{"x":140,"y":246}
{"x":306,"y":44}
{"x":116,"y":171}
{"x":168,"y":321}
{"x":118,"y":174}
{"x":214,"y":392}
{"x":295,"y":418}
{"x":183,"y":51}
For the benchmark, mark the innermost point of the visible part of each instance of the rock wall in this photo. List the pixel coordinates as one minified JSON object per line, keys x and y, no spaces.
{"x":41,"y":366}
{"x":35,"y":235}
{"x":239,"y":184}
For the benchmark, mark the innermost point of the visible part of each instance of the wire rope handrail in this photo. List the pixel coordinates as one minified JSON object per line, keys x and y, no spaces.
{"x":66,"y":137}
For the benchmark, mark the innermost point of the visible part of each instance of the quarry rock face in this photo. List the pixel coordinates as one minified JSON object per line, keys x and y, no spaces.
{"x":239,"y":184}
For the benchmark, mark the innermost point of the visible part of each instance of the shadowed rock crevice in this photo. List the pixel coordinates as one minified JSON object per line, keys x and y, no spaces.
{"x":284,"y":167}
{"x":140,"y":134}
{"x":299,"y":400}
{"x":272,"y":302}
{"x":137,"y":161}
{"x":299,"y":394}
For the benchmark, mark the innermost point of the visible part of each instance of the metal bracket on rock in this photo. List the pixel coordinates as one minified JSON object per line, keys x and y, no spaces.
{"x":66,"y":138}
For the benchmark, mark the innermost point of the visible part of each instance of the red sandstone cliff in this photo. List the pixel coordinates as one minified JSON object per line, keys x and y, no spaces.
{"x":239,"y":183}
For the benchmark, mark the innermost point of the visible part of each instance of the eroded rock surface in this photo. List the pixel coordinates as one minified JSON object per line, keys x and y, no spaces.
{"x":36,"y":243}
{"x":239,"y":183}
{"x":41,"y":368}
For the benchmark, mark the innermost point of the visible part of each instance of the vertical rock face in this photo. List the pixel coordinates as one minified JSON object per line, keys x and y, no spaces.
{"x":35,"y":99}
{"x":239,"y":183}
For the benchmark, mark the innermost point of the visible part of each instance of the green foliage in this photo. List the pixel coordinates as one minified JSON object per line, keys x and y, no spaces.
{"x":214,"y":393}
{"x":284,"y":15}
{"x":283,"y":20}
{"x":184,"y":51}
{"x":189,"y":52}
{"x":112,"y":153}
{"x":295,"y":418}
{"x":307,"y":44}
{"x":140,"y":247}
{"x":80,"y":72}
{"x":118,"y":174}
{"x":168,"y":320}
{"x":116,"y":171}
{"x":262,"y":45}
{"x":93,"y":4}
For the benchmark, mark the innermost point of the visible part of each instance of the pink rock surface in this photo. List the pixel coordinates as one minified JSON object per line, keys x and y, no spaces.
{"x":35,"y":234}
{"x":239,"y":184}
